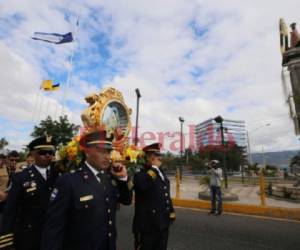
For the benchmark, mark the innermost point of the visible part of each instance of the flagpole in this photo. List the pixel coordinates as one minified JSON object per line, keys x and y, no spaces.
{"x":47,"y":111}
{"x":40,"y":108}
{"x":55,"y":114}
{"x":70,"y":71}
{"x":35,"y":105}
{"x":68,"y":81}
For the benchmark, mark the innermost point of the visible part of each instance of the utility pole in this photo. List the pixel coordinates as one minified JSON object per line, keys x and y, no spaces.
{"x":219,"y":120}
{"x":138,"y":96}
{"x":181,"y":120}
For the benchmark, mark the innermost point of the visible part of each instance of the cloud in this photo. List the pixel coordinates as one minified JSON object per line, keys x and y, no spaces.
{"x":195,"y":59}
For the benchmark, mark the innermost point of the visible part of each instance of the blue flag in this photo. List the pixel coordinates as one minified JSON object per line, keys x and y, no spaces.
{"x":53,"y":37}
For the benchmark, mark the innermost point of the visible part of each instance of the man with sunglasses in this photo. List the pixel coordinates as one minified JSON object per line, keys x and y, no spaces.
{"x":27,"y":200}
{"x":82,"y":210}
{"x":154,"y":210}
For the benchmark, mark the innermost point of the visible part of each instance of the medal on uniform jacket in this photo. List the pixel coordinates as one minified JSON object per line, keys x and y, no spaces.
{"x":28,"y":190}
{"x":26,"y":184}
{"x":86,"y":198}
{"x":53,"y":194}
{"x":113,"y":182}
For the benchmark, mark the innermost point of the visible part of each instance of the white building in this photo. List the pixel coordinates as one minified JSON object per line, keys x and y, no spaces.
{"x":209,"y":133}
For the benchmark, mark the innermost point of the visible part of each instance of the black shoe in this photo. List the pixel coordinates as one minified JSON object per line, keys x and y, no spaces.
{"x":218,"y":212}
{"x":212,"y":212}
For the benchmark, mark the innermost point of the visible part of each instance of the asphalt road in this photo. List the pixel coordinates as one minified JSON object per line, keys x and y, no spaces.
{"x":196,"y":230}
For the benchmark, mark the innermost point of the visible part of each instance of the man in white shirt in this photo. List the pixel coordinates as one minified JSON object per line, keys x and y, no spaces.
{"x":154,"y":212}
{"x":28,"y":198}
{"x":215,"y":187}
{"x":82,"y":210}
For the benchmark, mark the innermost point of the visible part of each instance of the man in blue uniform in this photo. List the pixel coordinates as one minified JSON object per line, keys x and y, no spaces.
{"x":82,"y":211}
{"x":27,"y":200}
{"x":154,"y":210}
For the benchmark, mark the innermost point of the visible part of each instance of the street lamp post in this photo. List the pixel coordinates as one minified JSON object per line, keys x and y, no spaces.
{"x":138,"y":96}
{"x":181,"y":120}
{"x":219,"y":120}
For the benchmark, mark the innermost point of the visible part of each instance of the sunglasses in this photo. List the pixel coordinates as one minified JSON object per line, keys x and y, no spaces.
{"x":13,"y":160}
{"x":46,"y":152}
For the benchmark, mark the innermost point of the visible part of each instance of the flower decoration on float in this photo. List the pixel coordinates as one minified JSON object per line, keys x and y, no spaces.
{"x":71,"y":155}
{"x":108,"y":111}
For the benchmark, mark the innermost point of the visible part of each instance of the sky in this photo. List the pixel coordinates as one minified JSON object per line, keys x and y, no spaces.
{"x":191,"y":58}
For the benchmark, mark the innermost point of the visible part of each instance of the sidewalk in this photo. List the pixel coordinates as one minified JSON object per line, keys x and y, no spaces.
{"x":248,"y":194}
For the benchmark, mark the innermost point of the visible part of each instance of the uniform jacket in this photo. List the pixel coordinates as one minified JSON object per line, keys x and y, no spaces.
{"x":25,"y":209}
{"x":153,"y":205}
{"x":82,"y":213}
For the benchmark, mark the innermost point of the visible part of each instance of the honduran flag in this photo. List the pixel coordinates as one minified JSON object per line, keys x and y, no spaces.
{"x":48,"y":85}
{"x":53,"y":37}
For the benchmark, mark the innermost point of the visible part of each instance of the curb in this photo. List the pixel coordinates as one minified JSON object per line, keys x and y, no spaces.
{"x":276,"y":212}
{"x":226,"y":196}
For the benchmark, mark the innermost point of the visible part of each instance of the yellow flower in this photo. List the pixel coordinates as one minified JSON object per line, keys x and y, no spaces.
{"x":133,"y":153}
{"x":115,"y":155}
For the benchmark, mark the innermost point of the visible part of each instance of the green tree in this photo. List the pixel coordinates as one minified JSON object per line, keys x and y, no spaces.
{"x":295,"y":164}
{"x":254,"y":168}
{"x":170,"y":161}
{"x":196,"y":162}
{"x":3,"y":142}
{"x":235,"y":155}
{"x":62,"y":130}
{"x":271,"y":170}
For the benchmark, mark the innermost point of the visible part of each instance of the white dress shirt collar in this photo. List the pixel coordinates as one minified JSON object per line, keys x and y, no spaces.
{"x":94,"y":171}
{"x":159,"y":172}
{"x":42,"y":171}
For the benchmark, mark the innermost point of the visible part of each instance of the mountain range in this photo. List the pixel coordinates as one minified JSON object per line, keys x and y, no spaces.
{"x":281,"y":159}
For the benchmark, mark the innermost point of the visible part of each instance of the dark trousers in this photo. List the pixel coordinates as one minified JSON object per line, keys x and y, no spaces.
{"x":154,"y":240}
{"x":216,"y":196}
{"x":28,"y":240}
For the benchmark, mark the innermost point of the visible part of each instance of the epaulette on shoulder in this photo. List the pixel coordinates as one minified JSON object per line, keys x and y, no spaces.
{"x":152,"y":174}
{"x":24,"y":173}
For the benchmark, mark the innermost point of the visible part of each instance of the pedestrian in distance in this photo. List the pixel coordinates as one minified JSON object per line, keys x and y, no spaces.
{"x":216,"y":178}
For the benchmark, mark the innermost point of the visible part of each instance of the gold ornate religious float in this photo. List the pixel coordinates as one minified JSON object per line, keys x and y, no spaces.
{"x":107,"y":111}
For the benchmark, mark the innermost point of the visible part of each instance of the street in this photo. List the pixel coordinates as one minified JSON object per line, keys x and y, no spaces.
{"x":196,"y":230}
